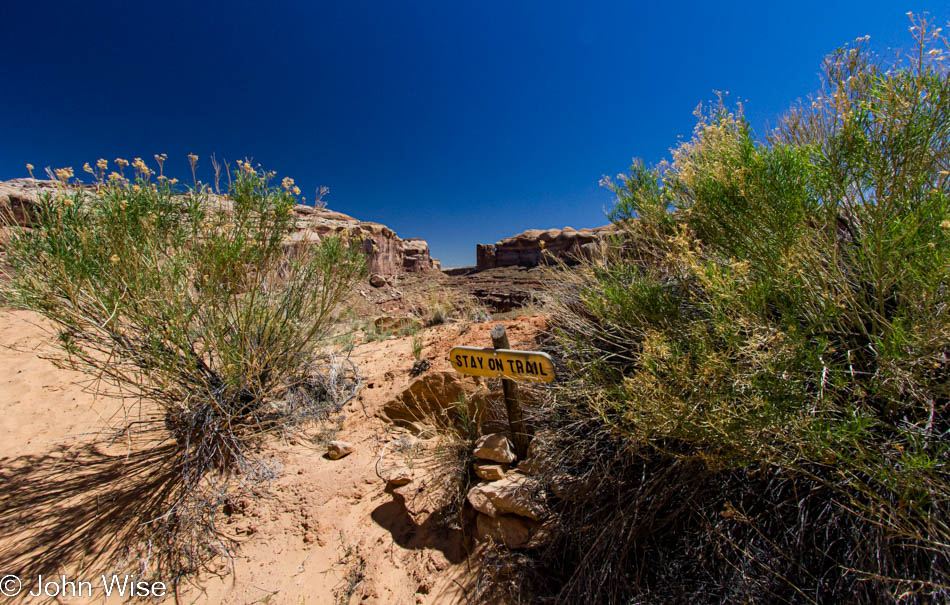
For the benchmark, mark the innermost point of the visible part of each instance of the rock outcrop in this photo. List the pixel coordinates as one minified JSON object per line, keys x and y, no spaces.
{"x":433,"y":398}
{"x":387,"y":253}
{"x":536,"y":246}
{"x":510,"y":504}
{"x":18,"y":198}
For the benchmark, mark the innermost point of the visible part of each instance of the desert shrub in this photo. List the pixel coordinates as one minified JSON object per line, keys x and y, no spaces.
{"x":191,"y":303}
{"x":758,"y":391}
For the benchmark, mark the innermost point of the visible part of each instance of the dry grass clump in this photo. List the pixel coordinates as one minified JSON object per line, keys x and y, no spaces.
{"x":444,"y":458}
{"x":451,"y":462}
{"x":435,"y":304}
{"x":190,"y":305}
{"x":352,"y":583}
{"x":757,"y":402}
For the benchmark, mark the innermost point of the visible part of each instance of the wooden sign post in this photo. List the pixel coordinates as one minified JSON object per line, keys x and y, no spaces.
{"x":509,"y":365}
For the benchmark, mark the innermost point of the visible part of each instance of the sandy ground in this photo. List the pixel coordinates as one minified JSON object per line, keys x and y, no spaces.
{"x":322,"y":527}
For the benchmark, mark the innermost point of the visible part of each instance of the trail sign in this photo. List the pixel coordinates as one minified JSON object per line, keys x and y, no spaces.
{"x":528,"y":366}
{"x":509,"y":365}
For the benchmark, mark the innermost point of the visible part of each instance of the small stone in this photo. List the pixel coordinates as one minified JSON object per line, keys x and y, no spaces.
{"x":516,"y":494}
{"x":495,"y":447}
{"x":377,"y":281}
{"x":396,"y":475}
{"x":490,"y":472}
{"x":338,"y":449}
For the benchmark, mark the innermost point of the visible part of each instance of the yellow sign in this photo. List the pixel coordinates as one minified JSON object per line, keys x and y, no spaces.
{"x":531,"y":366}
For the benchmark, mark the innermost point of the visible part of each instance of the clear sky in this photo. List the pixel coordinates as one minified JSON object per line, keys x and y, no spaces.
{"x":458,"y":122}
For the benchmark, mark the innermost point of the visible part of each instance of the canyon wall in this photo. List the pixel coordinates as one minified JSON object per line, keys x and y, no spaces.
{"x":536,"y":246}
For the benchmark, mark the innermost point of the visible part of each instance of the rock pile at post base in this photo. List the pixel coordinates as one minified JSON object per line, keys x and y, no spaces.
{"x":509,"y":502}
{"x":386,"y":253}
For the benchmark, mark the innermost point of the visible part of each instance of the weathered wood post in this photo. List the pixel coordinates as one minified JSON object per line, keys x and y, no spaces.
{"x":519,"y":433}
{"x":510,"y":366}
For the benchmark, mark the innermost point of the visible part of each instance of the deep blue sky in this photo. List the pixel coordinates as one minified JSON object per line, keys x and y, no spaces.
{"x":459,"y":122}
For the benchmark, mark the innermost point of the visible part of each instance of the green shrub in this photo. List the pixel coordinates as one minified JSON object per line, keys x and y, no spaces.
{"x":762,"y":360}
{"x":191,"y":303}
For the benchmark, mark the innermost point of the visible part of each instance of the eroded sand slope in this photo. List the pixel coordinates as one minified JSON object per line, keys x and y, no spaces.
{"x":323,"y":526}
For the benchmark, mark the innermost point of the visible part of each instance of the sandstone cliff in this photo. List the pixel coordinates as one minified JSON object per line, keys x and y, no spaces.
{"x":536,"y":246}
{"x":387,"y":254}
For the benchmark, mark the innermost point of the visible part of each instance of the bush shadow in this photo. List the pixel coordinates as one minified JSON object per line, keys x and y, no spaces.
{"x":80,"y":508}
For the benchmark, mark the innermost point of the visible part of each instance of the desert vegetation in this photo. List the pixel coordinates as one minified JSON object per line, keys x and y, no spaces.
{"x":752,"y":361}
{"x":757,"y":401}
{"x":190,"y":307}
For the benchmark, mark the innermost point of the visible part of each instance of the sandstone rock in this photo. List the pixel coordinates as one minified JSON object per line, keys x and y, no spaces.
{"x":591,"y":250}
{"x":513,"y":532}
{"x":18,"y":199}
{"x":395,"y":474}
{"x":481,"y":502}
{"x":415,"y":256}
{"x":432,"y":397}
{"x":536,"y":246}
{"x":516,"y":494}
{"x":485,"y":257}
{"x":385,"y":252}
{"x":376,"y":280}
{"x":495,"y":447}
{"x":490,"y":472}
{"x":413,"y":497}
{"x":338,"y":449}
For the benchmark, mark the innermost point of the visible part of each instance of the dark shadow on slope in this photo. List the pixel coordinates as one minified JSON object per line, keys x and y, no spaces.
{"x":81,"y":509}
{"x":431,"y":533}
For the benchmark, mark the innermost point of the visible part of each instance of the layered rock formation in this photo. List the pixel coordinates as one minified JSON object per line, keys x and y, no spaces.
{"x":536,"y":246}
{"x":386,"y":253}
